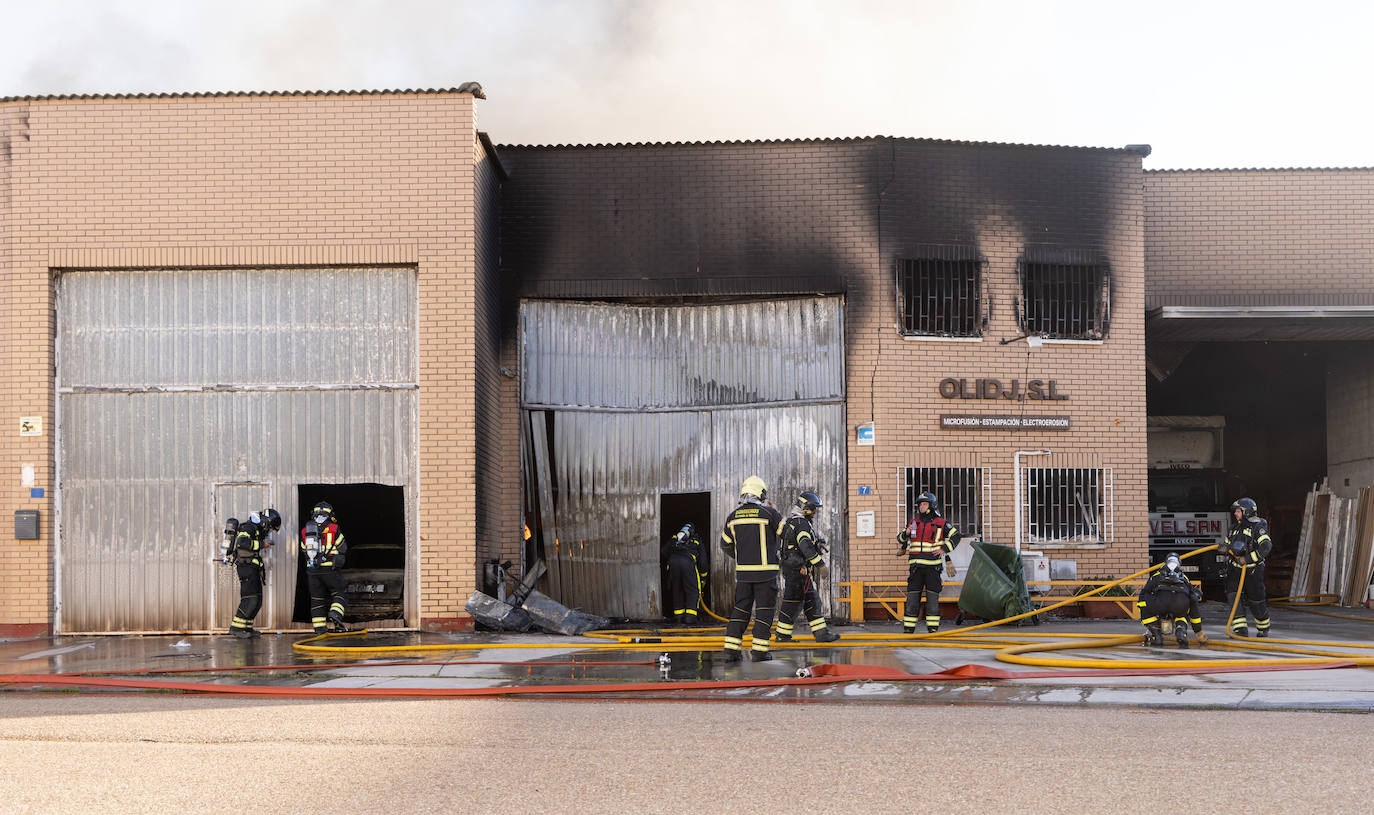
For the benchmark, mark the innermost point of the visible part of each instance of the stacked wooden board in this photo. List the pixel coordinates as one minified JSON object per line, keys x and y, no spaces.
{"x":1336,"y":548}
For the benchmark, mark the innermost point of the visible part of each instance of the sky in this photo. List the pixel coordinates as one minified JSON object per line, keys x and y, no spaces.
{"x":1206,"y":84}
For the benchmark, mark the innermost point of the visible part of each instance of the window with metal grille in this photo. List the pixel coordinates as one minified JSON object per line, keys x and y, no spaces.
{"x":1064,"y":295}
{"x":940,"y":293}
{"x":963,"y":494}
{"x":1066,"y":505}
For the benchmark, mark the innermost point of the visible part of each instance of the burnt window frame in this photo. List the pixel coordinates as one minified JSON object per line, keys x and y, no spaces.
{"x":1067,"y":506}
{"x":1089,"y":323}
{"x":938,"y":258}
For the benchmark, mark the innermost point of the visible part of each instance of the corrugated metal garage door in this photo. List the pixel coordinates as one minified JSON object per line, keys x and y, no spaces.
{"x":647,"y":400}
{"x":185,"y":396}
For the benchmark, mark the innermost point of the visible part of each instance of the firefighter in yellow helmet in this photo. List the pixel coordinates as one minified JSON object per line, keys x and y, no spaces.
{"x":750,"y":537}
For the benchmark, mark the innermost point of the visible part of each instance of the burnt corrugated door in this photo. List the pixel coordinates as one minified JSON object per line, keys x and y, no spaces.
{"x":185,"y":395}
{"x":626,"y":403}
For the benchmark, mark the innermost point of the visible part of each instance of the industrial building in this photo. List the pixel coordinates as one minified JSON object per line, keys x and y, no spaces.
{"x":220,"y":302}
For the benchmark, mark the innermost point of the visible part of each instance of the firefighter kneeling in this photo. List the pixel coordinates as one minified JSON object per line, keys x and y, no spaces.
{"x":800,"y":559}
{"x":1168,"y":604}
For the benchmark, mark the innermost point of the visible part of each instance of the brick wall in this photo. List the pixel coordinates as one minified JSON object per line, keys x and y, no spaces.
{"x":1259,"y":237}
{"x":1350,"y":418}
{"x":255,"y":180}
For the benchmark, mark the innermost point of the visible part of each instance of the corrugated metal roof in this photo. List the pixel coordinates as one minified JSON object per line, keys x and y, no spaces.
{"x":216,"y":94}
{"x":1134,"y":148}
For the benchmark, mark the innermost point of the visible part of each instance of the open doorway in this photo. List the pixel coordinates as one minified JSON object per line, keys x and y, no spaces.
{"x":674,"y":510}
{"x":372,"y":520}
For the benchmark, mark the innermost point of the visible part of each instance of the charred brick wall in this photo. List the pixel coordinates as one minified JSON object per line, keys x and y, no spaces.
{"x":661,"y":221}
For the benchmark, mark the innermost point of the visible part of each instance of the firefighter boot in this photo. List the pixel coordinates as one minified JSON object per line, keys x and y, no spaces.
{"x":733,"y":655}
{"x":763,"y":656}
{"x":245,"y":633}
{"x":1154,"y":637}
{"x":824,"y":634}
{"x":1181,"y":635}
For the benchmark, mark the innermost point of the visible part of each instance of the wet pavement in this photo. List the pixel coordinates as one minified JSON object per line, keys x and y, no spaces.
{"x":608,"y":672}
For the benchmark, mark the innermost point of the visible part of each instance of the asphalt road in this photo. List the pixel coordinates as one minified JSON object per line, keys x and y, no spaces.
{"x":166,"y":754}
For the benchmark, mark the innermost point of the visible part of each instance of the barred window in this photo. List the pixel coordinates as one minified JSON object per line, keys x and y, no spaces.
{"x":963,"y":494}
{"x":940,"y":293}
{"x":1064,"y":294}
{"x":1066,"y":505}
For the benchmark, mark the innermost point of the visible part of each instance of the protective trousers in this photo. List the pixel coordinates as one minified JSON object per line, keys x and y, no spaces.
{"x":798,"y":594}
{"x":250,"y":596}
{"x":759,"y":598}
{"x":927,"y":580}
{"x":326,"y":596}
{"x":1252,"y":599}
{"x":684,"y":588}
{"x":1169,"y":605}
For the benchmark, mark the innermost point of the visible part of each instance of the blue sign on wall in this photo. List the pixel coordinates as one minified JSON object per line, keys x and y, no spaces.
{"x":864,"y":489}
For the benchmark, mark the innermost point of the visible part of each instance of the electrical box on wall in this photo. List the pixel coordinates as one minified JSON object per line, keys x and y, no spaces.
{"x":26,"y":524}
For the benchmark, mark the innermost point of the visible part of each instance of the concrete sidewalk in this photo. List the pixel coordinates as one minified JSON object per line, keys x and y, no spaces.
{"x":552,"y":660}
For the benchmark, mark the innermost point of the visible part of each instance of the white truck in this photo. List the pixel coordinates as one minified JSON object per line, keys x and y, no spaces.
{"x":1188,"y":493}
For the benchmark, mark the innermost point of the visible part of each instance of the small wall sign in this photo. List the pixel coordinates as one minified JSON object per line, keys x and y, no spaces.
{"x":987,"y":421}
{"x":867,"y":526}
{"x":31,"y":426}
{"x":866,"y":435}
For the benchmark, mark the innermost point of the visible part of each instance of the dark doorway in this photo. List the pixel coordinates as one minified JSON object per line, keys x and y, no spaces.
{"x":674,"y":510}
{"x":372,"y":520}
{"x":1272,"y":396}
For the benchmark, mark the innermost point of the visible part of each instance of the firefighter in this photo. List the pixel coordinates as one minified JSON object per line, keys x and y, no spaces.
{"x":800,"y":559}
{"x":324,"y":548}
{"x":247,"y":551}
{"x":925,"y":542}
{"x":685,"y":559}
{"x":750,"y":538}
{"x":1168,"y":604}
{"x":1247,"y":545}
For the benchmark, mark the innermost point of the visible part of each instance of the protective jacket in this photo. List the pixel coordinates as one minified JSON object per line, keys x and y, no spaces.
{"x":751,"y":538}
{"x":687,"y":552}
{"x":799,"y":546}
{"x":928,"y":537}
{"x":1247,"y":542}
{"x":332,"y":546}
{"x":248,"y":546}
{"x":1164,"y":580}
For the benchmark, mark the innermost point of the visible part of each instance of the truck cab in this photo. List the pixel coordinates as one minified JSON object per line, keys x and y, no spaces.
{"x":1188,"y":489}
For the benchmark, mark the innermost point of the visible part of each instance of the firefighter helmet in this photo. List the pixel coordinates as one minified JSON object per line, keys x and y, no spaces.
{"x":1247,"y":506}
{"x":231,"y":527}
{"x":1172,"y":563}
{"x":322,"y":509}
{"x":271,"y":519}
{"x":753,"y":486}
{"x":808,"y":502}
{"x":929,"y":498}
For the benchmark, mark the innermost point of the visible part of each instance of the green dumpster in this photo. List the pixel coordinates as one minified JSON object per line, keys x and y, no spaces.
{"x":994,"y":583}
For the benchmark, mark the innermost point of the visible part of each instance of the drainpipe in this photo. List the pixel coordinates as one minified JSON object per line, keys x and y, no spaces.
{"x":1016,"y":481}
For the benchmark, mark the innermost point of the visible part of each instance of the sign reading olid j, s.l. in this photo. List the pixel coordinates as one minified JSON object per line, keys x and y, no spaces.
{"x":988,"y":388}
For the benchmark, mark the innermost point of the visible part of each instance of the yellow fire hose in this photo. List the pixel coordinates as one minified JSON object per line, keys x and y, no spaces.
{"x":1017,"y":649}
